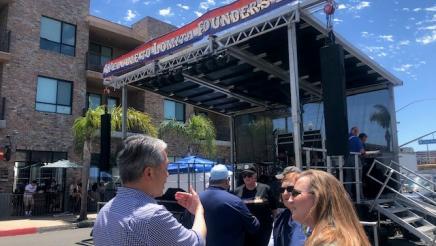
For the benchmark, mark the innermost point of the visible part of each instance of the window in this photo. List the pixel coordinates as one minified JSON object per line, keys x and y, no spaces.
{"x":95,"y":100}
{"x":58,"y":36}
{"x":174,"y":111}
{"x":111,"y":103}
{"x":99,"y":54}
{"x":53,"y":95}
{"x":28,"y":167}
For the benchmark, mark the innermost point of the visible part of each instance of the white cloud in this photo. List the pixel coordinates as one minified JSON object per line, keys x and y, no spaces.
{"x":403,"y":68}
{"x":130,"y":15}
{"x":342,"y":6}
{"x":365,"y":34}
{"x":427,"y":39}
{"x":207,"y":4}
{"x":388,"y":38}
{"x":227,"y":1}
{"x":374,"y":49}
{"x":337,"y":20}
{"x":185,"y":7}
{"x":362,"y":5}
{"x":166,"y":12}
{"x":428,"y":28}
{"x":404,"y":42}
{"x":97,"y":11}
{"x":135,"y":1}
{"x":147,"y":2}
{"x":431,"y":8}
{"x":406,"y":9}
{"x":417,"y":9}
{"x":198,"y":13}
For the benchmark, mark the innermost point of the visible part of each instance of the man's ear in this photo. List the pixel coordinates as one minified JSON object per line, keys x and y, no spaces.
{"x":147,"y":172}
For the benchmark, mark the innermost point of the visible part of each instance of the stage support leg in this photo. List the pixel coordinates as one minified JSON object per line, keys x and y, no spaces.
{"x":295,"y":94}
{"x":124,"y":118}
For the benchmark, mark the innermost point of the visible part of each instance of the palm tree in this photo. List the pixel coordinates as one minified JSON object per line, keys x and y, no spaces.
{"x":383,"y":118}
{"x":198,"y":131}
{"x":85,"y":132}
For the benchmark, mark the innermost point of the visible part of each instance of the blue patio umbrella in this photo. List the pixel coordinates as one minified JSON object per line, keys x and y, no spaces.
{"x":190,"y":164}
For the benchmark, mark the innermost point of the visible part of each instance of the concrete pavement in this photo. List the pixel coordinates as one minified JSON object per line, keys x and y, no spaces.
{"x":29,"y":225}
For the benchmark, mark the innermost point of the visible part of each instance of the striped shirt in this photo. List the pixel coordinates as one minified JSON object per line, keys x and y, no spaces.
{"x":134,"y":218}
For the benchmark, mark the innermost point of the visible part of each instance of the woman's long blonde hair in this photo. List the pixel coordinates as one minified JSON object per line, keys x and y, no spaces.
{"x":334,"y":215}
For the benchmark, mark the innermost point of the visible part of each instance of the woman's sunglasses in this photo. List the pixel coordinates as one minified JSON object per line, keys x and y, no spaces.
{"x":289,"y":189}
{"x":296,"y":193}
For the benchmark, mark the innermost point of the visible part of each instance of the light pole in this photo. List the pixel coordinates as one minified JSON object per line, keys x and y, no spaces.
{"x":416,"y":139}
{"x":413,"y":102}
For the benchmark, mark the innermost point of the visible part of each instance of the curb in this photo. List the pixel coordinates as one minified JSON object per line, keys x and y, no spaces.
{"x":16,"y":232}
{"x":34,"y":230}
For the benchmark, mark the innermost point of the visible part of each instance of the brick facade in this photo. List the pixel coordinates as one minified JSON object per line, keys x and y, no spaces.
{"x":32,"y":130}
{"x":150,"y":28}
{"x":41,"y":131}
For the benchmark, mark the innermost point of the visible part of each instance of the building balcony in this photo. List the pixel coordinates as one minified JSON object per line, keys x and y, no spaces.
{"x":113,"y":34}
{"x":4,"y":3}
{"x":5,"y":38}
{"x":2,"y":112}
{"x":94,"y":68}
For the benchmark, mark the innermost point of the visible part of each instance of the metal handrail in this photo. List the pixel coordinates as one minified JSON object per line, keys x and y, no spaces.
{"x":386,"y":186}
{"x":405,"y":177}
{"x":339,"y":169}
{"x":412,"y":172}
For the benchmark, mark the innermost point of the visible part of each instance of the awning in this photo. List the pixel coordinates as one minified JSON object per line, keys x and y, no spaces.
{"x":62,"y":164}
{"x":190,"y":164}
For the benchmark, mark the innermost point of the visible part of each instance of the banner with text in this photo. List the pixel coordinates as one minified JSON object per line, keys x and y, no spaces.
{"x":210,"y":23}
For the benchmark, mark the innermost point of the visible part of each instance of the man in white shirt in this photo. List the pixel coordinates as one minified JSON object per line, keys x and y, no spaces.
{"x":29,"y":190}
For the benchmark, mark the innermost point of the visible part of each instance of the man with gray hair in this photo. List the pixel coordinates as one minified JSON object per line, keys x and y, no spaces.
{"x":133,"y":217}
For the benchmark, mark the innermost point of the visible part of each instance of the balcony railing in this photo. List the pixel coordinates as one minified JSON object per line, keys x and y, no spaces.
{"x":93,"y":63}
{"x":5,"y":40}
{"x":2,"y":107}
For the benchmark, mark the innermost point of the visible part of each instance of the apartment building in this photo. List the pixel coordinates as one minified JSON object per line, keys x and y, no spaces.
{"x":51,"y":58}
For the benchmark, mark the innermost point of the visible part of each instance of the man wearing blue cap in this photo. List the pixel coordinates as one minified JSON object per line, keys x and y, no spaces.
{"x":227,"y":217}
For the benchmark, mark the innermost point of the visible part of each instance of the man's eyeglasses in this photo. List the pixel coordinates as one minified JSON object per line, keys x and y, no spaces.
{"x":296,"y":193}
{"x":289,"y":189}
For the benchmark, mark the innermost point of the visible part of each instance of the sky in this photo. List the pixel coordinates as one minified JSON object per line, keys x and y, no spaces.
{"x":400,"y":35}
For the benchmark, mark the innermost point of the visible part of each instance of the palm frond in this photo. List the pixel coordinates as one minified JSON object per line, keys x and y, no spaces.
{"x":85,"y":127}
{"x":381,"y":116}
{"x":169,"y":127}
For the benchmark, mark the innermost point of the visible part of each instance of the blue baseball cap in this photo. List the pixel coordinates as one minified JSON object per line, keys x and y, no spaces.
{"x":219,"y":172}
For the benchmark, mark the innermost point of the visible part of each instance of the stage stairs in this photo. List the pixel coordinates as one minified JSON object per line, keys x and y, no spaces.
{"x":412,"y":210}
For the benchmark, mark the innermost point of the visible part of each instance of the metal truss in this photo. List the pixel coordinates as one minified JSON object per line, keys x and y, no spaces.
{"x":193,"y":54}
{"x":210,"y":85}
{"x":265,"y":66}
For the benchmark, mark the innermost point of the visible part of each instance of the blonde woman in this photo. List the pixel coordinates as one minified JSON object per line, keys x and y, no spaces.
{"x":320,"y":202}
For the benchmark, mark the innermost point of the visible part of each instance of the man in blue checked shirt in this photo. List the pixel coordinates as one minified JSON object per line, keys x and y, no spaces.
{"x":133,"y":217}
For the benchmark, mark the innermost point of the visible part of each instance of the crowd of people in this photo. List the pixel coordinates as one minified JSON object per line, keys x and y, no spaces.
{"x":318,"y":210}
{"x":49,"y":191}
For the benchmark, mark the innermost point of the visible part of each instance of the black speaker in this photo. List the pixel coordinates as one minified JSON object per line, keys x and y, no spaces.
{"x":334,"y":98}
{"x":105,"y":142}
